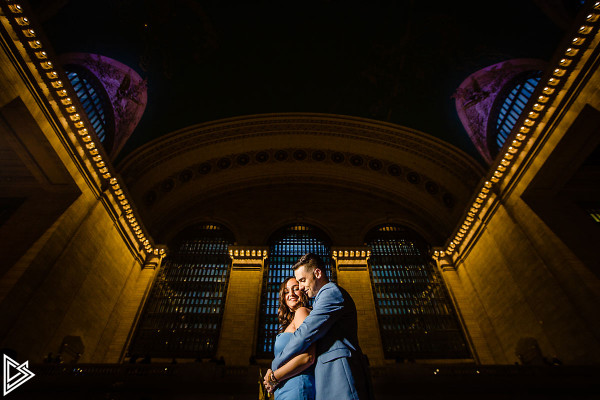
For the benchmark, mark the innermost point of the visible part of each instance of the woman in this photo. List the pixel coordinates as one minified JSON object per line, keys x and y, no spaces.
{"x":294,"y":380}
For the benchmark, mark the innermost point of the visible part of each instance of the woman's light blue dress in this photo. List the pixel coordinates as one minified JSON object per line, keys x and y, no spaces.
{"x":299,"y":387}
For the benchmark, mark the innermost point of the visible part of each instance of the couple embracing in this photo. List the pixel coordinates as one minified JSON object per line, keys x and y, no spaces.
{"x":317,"y":355}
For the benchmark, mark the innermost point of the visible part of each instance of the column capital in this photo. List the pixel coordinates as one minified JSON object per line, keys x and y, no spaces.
{"x":248,"y":257}
{"x":443,"y":259}
{"x":154,"y":260}
{"x":351,"y":257}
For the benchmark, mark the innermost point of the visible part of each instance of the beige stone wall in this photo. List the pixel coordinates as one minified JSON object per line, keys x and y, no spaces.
{"x":239,"y":327}
{"x":358,"y":284}
{"x":123,"y":319}
{"x":82,"y":275}
{"x":470,"y":321}
{"x":84,"y":282}
{"x":515,"y":293}
{"x":519,"y":273}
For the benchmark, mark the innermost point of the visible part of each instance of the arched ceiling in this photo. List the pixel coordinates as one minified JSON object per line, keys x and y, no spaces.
{"x":257,"y":172}
{"x":398,"y":62}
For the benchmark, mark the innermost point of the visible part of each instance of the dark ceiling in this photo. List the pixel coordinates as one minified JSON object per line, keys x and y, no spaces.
{"x":398,"y":62}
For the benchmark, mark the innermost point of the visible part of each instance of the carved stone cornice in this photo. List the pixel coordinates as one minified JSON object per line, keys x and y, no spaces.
{"x":351,"y":258}
{"x":154,"y":260}
{"x":382,"y":167}
{"x":34,"y":59}
{"x":248,"y":257}
{"x":443,"y":260}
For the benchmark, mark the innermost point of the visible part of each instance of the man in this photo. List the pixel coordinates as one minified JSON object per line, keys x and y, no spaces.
{"x":340,"y":369}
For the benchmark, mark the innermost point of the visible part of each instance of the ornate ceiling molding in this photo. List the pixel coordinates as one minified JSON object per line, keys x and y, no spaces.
{"x":404,"y":175}
{"x":395,"y":137}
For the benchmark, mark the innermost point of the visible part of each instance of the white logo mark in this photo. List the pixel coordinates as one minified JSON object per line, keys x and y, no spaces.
{"x":11,"y":383}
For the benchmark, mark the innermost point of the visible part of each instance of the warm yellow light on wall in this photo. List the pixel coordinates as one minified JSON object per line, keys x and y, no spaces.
{"x":538,"y":107}
{"x":571,"y":52}
{"x":15,"y":8}
{"x":565,"y":62}
{"x":23,"y":21}
{"x":584,"y":29}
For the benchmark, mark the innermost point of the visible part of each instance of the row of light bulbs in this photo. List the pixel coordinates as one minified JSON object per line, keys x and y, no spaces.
{"x":248,"y":253}
{"x":548,"y":93}
{"x":61,"y":93}
{"x":352,"y":253}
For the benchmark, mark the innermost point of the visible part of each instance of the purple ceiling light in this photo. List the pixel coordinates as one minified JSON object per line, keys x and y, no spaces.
{"x":476,"y":96}
{"x":126,"y":91}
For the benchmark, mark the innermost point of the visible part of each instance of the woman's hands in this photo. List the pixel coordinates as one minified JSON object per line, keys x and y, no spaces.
{"x":270,"y":381}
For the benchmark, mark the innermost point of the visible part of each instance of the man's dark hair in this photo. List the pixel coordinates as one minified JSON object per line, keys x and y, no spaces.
{"x":311,"y":261}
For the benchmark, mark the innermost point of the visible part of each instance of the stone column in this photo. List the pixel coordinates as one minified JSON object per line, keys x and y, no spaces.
{"x":239,"y":328}
{"x":127,"y":312}
{"x":462,"y":303}
{"x":353,"y":275}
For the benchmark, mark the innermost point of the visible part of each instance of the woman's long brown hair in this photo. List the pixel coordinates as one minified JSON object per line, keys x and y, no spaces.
{"x":284,"y":314}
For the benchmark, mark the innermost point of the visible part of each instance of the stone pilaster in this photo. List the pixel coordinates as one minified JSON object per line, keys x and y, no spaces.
{"x":353,"y":275}
{"x":463,"y":305}
{"x":127,"y":312}
{"x":239,"y":327}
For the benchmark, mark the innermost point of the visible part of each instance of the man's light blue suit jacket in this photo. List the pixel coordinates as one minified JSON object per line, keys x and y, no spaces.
{"x":340,"y":370}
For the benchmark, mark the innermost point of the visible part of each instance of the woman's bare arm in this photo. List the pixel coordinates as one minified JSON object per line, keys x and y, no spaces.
{"x":300,"y":362}
{"x":296,"y":365}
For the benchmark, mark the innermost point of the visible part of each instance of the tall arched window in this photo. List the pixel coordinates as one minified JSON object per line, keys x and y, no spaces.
{"x":286,"y":246}
{"x":182,"y":316}
{"x":510,"y":105}
{"x":95,"y":102}
{"x":416,"y":317}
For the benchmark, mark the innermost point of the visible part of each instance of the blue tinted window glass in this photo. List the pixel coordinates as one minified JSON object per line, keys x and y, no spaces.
{"x":424,"y":324}
{"x":513,"y":105}
{"x":285,"y":248}
{"x":183,"y":313}
{"x":86,"y":91}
